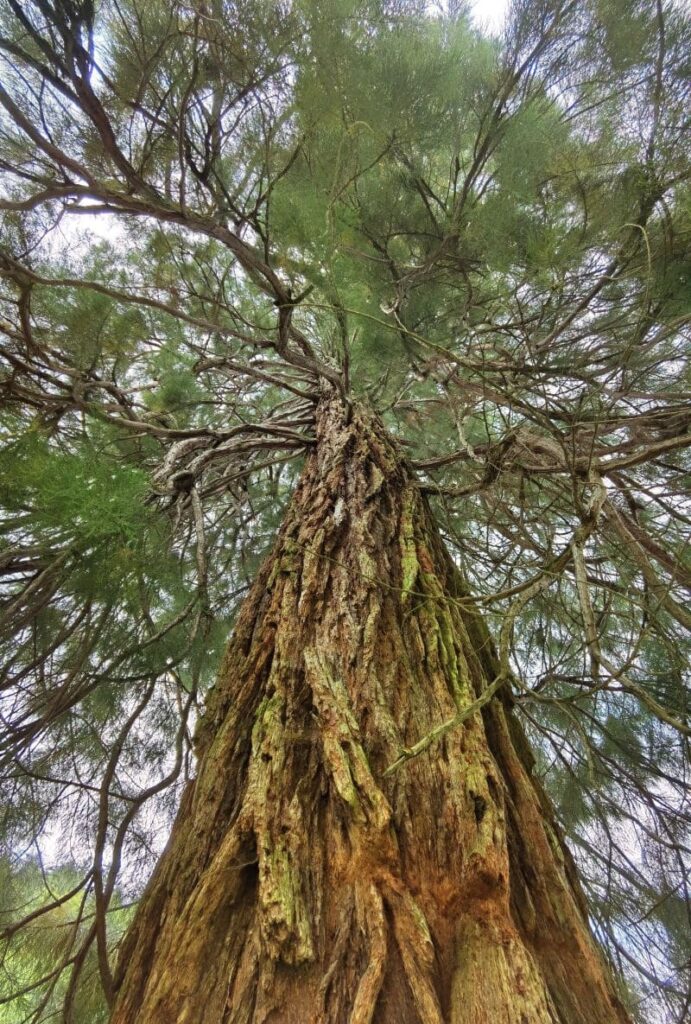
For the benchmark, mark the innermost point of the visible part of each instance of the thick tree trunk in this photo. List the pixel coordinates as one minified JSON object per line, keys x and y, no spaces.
{"x":300,"y":883}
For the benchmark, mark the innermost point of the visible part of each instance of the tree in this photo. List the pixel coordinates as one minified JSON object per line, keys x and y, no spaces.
{"x":388,"y":318}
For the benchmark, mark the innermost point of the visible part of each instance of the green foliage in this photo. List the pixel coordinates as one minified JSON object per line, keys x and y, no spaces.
{"x":40,"y":949}
{"x":83,"y":494}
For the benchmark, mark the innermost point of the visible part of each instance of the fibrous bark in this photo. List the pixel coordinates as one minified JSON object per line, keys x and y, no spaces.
{"x":302,"y":884}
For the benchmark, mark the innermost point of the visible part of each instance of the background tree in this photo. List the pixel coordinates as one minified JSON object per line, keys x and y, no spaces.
{"x":486,"y":242}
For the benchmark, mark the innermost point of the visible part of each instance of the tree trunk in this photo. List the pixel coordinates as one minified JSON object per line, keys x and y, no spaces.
{"x":302,"y":884}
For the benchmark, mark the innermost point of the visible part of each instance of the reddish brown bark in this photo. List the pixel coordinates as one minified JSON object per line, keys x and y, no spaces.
{"x":300,"y":883}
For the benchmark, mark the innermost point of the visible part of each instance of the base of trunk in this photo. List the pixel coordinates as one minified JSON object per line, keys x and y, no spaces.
{"x":302,"y":884}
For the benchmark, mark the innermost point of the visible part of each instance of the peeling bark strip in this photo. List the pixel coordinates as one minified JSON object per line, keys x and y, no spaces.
{"x":299,"y":884}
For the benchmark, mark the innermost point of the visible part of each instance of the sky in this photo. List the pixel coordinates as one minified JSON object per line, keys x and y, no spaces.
{"x":489,"y":13}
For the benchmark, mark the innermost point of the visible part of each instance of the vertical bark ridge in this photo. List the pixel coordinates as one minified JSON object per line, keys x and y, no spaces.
{"x":299,"y":884}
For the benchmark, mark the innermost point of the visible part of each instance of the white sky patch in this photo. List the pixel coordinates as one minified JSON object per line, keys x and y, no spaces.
{"x":81,"y":229}
{"x":489,"y":14}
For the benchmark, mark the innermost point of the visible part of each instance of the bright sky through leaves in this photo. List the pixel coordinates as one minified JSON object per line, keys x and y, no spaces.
{"x":489,"y":14}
